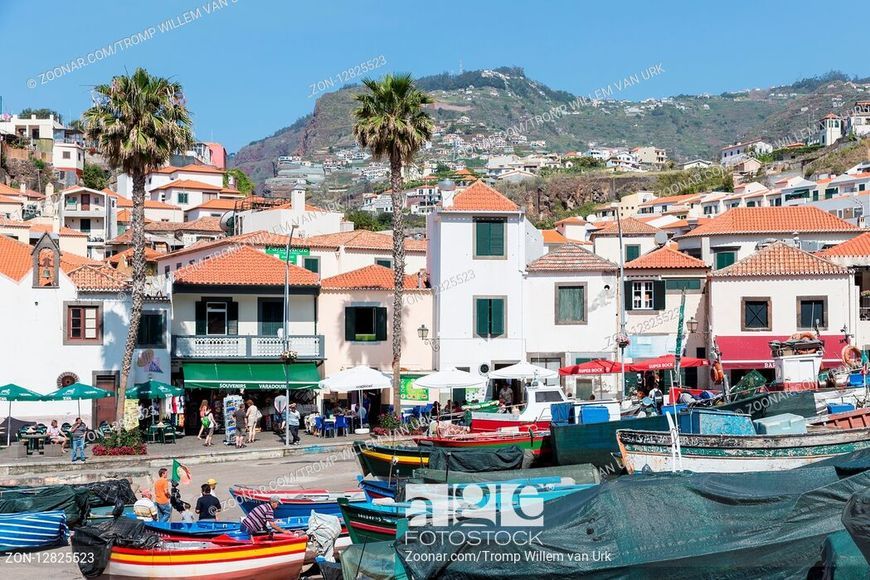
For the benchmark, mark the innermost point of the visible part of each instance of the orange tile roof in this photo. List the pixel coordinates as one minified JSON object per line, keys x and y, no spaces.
{"x":5,"y":199}
{"x":98,"y":278}
{"x":151,"y":255}
{"x":289,"y":205}
{"x":574,"y":219}
{"x":244,"y":266}
{"x":187,"y":184}
{"x":63,"y":231}
{"x":15,"y":258}
{"x":571,"y":257}
{"x":372,"y":277}
{"x":124,"y":202}
{"x":630,"y":227}
{"x":8,"y":223}
{"x":69,"y":261}
{"x":859,"y":246}
{"x":6,"y":190}
{"x":684,"y":223}
{"x":360,"y":240}
{"x":666,"y":258}
{"x":190,"y":168}
{"x":208,"y":224}
{"x":220,"y":204}
{"x":781,"y":259}
{"x":668,"y":199}
{"x":553,"y":237}
{"x":754,"y":220}
{"x":481,"y":197}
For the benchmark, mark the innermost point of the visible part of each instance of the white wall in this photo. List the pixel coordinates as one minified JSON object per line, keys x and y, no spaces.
{"x":746,"y":244}
{"x":608,"y":246}
{"x":280,"y":221}
{"x":301,"y":320}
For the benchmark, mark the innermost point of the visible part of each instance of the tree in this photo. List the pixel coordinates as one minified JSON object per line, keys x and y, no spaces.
{"x":391,"y":123}
{"x":243,"y":182}
{"x":40,"y":114}
{"x":94,"y":176}
{"x":137,"y":122}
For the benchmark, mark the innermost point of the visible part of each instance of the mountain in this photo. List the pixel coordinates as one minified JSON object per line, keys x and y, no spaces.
{"x":505,"y":99}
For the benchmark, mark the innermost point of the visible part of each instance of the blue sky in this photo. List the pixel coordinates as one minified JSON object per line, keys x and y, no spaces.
{"x":248,"y":67}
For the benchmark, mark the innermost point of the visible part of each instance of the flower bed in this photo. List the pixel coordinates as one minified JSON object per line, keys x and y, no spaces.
{"x":121,"y":443}
{"x":104,"y":450}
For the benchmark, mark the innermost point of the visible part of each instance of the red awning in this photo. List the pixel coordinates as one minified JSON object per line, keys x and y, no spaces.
{"x":753,"y":351}
{"x":666,"y":362}
{"x":593,"y":367}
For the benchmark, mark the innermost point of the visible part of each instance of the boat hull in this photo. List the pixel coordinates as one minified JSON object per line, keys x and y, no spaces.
{"x":294,"y":503}
{"x":536,"y":442}
{"x":732,"y":454}
{"x":486,"y":422}
{"x":378,"y":459}
{"x":32,"y":531}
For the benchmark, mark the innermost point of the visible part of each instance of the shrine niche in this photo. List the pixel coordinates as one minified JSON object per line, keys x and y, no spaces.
{"x":46,"y":262}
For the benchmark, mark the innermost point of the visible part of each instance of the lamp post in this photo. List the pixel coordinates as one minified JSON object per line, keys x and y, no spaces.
{"x":692,"y":325}
{"x":285,"y":352}
{"x":423,"y":333}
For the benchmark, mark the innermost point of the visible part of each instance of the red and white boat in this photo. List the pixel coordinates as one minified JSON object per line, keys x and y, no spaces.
{"x":535,"y":414}
{"x":221,"y":558}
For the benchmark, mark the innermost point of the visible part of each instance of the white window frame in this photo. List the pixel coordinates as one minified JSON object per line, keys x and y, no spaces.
{"x":216,"y":307}
{"x":638,"y":291}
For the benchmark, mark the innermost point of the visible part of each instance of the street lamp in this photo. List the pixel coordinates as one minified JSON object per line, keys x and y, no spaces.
{"x":423,"y":333}
{"x":692,"y":325}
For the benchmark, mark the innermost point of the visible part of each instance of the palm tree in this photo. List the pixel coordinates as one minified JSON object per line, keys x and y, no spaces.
{"x":390,"y":122}
{"x":137,"y":122}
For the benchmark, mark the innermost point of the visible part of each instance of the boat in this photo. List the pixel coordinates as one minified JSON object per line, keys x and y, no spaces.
{"x":213,"y":528}
{"x":377,"y":488}
{"x":221,"y":558}
{"x":294,"y":502}
{"x":390,"y":461}
{"x":726,"y":453}
{"x":33,"y":531}
{"x":535,"y":414}
{"x":536,"y":441}
{"x":848,"y":420}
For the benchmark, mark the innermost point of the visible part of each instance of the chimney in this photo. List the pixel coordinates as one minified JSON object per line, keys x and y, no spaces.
{"x":297,"y":197}
{"x":22,"y":187}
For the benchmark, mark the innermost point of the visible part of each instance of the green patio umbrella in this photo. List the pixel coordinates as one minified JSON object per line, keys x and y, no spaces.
{"x":152,"y":389}
{"x":77,"y":392}
{"x":11,"y":393}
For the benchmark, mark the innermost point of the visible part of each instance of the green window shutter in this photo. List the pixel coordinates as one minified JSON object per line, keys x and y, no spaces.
{"x":496,"y":238}
{"x":815,"y":196}
{"x":626,"y":294}
{"x":481,"y":324}
{"x":232,"y":317}
{"x":200,"y":317}
{"x":380,"y":323}
{"x":349,"y":323}
{"x":632,"y":252}
{"x":482,"y":231}
{"x":572,"y":305}
{"x":725,"y":259}
{"x":658,"y":295}
{"x":496,"y":322}
{"x":312,"y":265}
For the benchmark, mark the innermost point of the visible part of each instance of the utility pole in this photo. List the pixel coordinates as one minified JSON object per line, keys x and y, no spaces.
{"x":286,"y":341}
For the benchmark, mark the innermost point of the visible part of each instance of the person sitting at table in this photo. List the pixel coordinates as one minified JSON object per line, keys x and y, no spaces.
{"x":55,"y":435}
{"x":311,"y":423}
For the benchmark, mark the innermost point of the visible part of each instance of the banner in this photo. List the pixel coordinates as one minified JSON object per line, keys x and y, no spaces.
{"x":408,"y":392}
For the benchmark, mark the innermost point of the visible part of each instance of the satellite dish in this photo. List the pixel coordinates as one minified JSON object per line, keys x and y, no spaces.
{"x":484,"y":368}
{"x":661,"y":238}
{"x":228,"y":222}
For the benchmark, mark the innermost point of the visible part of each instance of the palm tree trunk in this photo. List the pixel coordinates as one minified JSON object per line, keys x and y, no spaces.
{"x":138,"y":290}
{"x":398,"y":274}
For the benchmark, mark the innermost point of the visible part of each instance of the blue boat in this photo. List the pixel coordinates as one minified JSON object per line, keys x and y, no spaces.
{"x":212,"y":528}
{"x":294,"y":502}
{"x":32,"y":531}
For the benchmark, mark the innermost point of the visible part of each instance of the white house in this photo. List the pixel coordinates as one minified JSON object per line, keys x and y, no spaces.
{"x":31,"y":128}
{"x":70,"y":317}
{"x":193,"y":172}
{"x":858,"y":121}
{"x":90,"y":212}
{"x":695,"y":164}
{"x":570,"y":310}
{"x":771,"y":294}
{"x":638,"y":238}
{"x":479,"y":245}
{"x":731,"y":154}
{"x":308,"y":219}
{"x":574,"y":228}
{"x":212,"y":208}
{"x":68,"y":160}
{"x":829,"y":131}
{"x":855,"y":254}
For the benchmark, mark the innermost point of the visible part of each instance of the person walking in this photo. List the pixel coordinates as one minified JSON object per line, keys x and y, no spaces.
{"x":280,"y":405}
{"x":207,"y":505}
{"x":209,"y":423}
{"x":293,"y":420}
{"x":203,"y":412}
{"x":240,"y":418}
{"x":78,"y":432}
{"x":251,"y":418}
{"x":161,"y":495}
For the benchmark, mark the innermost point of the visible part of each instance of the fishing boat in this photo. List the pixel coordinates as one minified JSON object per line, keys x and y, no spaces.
{"x":723,"y":453}
{"x":849,"y":420}
{"x":221,"y":558}
{"x":535,"y":414}
{"x":377,"y":487}
{"x":32,"y":531}
{"x":294,"y":502}
{"x":390,"y":461}
{"x":536,"y":441}
{"x":213,"y":528}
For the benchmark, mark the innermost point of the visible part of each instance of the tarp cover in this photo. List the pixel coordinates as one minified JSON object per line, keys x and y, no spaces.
{"x":73,"y":501}
{"x":856,"y":518}
{"x":579,"y":473}
{"x":92,"y":545}
{"x":656,"y":525}
{"x":107,"y":493}
{"x":372,"y":560}
{"x":842,"y":560}
{"x":476,"y":460}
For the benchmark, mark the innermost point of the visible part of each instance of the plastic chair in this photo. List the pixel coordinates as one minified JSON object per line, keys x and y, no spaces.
{"x":416,"y":411}
{"x":329,"y":426}
{"x":65,"y":427}
{"x":341,"y":423}
{"x":427,"y":410}
{"x":318,"y":424}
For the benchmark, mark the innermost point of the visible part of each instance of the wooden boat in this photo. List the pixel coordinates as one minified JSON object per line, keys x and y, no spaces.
{"x":848,"y":420}
{"x":294,"y":502}
{"x":213,"y":528}
{"x":735,"y":453}
{"x":220,"y":558}
{"x":32,"y":531}
{"x":536,"y":413}
{"x":378,"y":488}
{"x":390,"y":461}
{"x":538,"y":442}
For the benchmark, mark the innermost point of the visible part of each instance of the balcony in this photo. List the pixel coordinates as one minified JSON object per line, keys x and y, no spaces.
{"x":241,"y":347}
{"x":93,"y":211}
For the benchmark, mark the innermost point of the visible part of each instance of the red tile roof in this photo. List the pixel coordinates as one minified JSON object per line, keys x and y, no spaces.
{"x":373,"y":277}
{"x":8,"y":223}
{"x":244,"y":266}
{"x":668,"y":199}
{"x":753,"y":220}
{"x":630,"y":227}
{"x":217,"y":204}
{"x":574,"y":219}
{"x":206,"y":224}
{"x":98,"y":278}
{"x":683,"y":223}
{"x":190,"y":168}
{"x":187,"y":184}
{"x":6,"y":199}
{"x":781,"y":259}
{"x":666,"y":258}
{"x":15,"y":258}
{"x":40,"y":228}
{"x":6,"y":190}
{"x":571,"y":258}
{"x":360,"y":240}
{"x":151,"y":255}
{"x":553,"y":237}
{"x":124,"y":202}
{"x":481,"y":197}
{"x":859,"y":246}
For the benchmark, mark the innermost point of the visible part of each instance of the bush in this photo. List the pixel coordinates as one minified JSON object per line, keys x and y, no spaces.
{"x":389,"y":422}
{"x":103,"y":450}
{"x":121,"y":443}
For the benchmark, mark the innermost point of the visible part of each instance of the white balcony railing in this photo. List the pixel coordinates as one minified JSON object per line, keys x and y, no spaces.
{"x":308,"y":347}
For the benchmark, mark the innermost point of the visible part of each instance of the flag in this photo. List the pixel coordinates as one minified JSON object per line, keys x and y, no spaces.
{"x":180,"y":473}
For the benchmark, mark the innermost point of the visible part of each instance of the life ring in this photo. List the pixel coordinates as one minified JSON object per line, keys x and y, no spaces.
{"x":717,"y":375}
{"x":805,"y":335}
{"x":853,"y":361}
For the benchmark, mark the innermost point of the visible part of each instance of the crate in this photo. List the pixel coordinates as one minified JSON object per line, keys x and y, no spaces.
{"x":785,"y":424}
{"x":710,"y":422}
{"x":593,"y":414}
{"x":834,"y":408}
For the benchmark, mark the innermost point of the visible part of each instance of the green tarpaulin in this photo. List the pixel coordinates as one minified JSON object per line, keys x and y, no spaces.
{"x":250,"y":376}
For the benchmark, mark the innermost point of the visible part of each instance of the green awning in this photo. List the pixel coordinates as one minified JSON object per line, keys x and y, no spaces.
{"x":250,"y":376}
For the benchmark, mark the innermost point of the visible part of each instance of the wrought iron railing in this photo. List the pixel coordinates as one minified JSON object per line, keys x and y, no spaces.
{"x":306,"y":347}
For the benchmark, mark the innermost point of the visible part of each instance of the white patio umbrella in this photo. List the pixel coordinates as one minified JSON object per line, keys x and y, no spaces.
{"x":356,"y":379}
{"x":450,"y":379}
{"x":522,"y":371}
